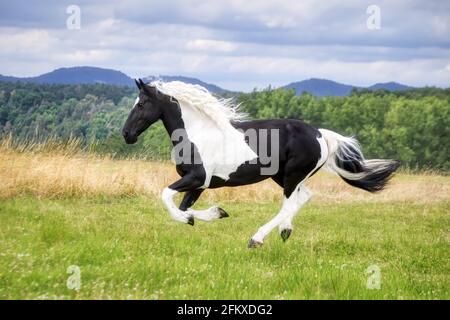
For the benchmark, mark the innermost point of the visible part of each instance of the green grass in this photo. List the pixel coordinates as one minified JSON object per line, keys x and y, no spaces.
{"x":130,"y":248}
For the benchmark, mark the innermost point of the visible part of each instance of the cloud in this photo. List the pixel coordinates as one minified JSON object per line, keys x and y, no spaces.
{"x":210,"y":45}
{"x":30,"y":41}
{"x":239,"y":44}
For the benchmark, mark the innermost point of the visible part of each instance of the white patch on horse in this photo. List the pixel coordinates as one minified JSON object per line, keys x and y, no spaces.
{"x":324,"y":152}
{"x":136,"y":101}
{"x":222,"y":147}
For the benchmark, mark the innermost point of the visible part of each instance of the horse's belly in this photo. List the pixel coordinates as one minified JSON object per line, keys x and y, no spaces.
{"x":244,"y":175}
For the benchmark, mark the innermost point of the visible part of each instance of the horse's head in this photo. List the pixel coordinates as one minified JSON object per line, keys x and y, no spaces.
{"x":147,"y":109}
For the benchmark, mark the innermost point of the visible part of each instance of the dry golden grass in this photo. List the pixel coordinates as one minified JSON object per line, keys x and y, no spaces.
{"x":55,"y":170}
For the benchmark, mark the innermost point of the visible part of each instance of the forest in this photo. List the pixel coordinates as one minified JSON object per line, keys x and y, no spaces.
{"x":412,"y":126}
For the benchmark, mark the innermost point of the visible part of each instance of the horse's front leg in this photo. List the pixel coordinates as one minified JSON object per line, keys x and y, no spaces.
{"x":189,"y":198}
{"x":185,"y":184}
{"x":210,"y":214}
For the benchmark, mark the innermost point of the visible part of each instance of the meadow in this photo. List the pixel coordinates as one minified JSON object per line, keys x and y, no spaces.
{"x":62,"y":207}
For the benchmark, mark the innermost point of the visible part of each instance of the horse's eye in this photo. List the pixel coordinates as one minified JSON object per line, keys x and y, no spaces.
{"x":140,"y":105}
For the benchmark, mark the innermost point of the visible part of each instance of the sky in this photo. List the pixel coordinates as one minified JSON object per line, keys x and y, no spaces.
{"x":237,"y":44}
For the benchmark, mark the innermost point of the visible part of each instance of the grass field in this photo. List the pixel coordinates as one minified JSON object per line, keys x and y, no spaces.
{"x":59,"y":209}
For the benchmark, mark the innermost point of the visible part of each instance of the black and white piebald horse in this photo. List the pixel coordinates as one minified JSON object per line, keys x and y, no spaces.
{"x":211,"y":149}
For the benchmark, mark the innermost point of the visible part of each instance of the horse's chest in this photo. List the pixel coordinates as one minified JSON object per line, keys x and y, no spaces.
{"x":222,"y":149}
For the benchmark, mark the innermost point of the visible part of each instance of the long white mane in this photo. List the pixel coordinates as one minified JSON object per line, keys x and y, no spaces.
{"x":221,"y":111}
{"x":207,"y":122}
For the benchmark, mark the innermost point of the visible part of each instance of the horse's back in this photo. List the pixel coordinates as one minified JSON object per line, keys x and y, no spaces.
{"x":297,"y":149}
{"x":293,"y":135}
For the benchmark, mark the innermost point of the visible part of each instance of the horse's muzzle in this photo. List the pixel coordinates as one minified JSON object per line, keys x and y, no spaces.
{"x":129,"y":138}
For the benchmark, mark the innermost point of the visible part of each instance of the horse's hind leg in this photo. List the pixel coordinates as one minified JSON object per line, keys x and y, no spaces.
{"x":289,"y":184}
{"x":295,"y":175}
{"x":210,"y":214}
{"x":290,"y":207}
{"x":285,"y":227}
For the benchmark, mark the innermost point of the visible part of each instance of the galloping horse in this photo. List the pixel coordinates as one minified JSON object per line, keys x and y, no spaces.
{"x":213,"y":148}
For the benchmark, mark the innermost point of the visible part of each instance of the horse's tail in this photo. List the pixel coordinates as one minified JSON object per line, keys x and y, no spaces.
{"x":346,"y":159}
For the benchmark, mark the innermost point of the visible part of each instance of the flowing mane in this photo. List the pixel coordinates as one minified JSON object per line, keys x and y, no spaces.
{"x":199,"y":98}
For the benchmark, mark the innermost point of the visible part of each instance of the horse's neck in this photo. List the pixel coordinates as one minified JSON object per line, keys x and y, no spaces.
{"x":172,"y":120}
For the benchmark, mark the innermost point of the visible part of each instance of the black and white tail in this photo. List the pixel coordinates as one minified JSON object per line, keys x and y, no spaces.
{"x":346,"y":159}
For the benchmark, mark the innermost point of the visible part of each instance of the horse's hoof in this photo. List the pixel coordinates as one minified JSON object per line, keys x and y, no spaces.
{"x":222,"y":213}
{"x":190,"y":220}
{"x":254,"y":244}
{"x":285,"y":234}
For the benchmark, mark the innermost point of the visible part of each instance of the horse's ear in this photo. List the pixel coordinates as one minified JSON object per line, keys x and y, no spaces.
{"x":137,"y":84}
{"x":145,"y":88}
{"x":148,"y":89}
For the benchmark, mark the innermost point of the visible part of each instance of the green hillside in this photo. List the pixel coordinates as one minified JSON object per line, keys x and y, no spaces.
{"x":411,"y":125}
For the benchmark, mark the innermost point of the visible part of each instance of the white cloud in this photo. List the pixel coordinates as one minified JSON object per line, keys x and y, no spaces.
{"x":84,"y":57}
{"x":210,"y":45}
{"x":31,"y":41}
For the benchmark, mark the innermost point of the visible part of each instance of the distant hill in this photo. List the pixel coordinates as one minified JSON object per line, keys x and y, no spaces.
{"x":210,"y":87}
{"x":324,"y":87}
{"x":75,"y":75}
{"x":391,"y":86}
{"x":320,"y":87}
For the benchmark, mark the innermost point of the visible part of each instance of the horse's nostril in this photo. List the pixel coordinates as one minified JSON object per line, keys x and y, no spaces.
{"x":125,"y":133}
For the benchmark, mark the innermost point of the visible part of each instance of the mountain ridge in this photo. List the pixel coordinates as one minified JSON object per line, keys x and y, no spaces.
{"x":87,"y":74}
{"x":325,"y":87}
{"x":91,"y":75}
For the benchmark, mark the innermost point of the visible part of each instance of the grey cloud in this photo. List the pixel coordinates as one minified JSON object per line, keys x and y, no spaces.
{"x":404,"y":23}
